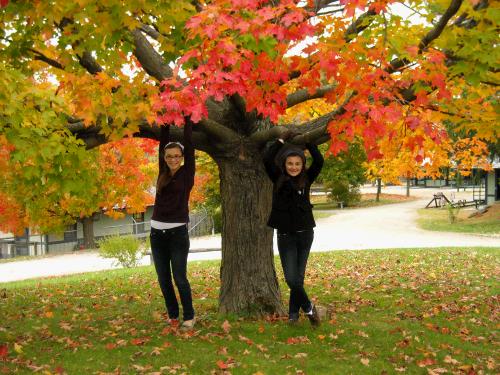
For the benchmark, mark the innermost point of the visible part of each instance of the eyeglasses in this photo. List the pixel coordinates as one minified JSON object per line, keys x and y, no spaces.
{"x":171,"y":157}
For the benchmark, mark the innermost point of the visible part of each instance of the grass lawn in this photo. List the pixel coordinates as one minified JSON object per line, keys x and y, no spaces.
{"x":437,"y":219}
{"x":321,"y":202}
{"x":413,"y":311}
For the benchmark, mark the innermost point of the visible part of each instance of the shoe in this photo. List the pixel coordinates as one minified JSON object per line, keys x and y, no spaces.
{"x":188,"y":324}
{"x":173,"y":322}
{"x":293,"y":319}
{"x":293,"y":322}
{"x":314,"y":317}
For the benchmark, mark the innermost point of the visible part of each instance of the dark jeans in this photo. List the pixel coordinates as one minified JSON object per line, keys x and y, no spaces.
{"x":294,"y":250}
{"x":170,"y":249}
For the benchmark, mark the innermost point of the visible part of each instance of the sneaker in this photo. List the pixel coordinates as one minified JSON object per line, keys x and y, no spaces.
{"x":314,"y":317}
{"x":293,"y":318}
{"x":173,"y":322}
{"x":188,"y":324}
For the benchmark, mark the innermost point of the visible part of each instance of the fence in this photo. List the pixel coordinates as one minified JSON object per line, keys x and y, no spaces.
{"x":200,"y":224}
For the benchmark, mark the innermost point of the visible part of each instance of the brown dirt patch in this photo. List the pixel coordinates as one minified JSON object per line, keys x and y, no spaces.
{"x":492,"y":213}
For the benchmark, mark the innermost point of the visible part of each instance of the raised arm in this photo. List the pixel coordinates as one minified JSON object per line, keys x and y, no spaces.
{"x":273,"y":171}
{"x":317,"y":164}
{"x":189,"y":161}
{"x":164,"y":139}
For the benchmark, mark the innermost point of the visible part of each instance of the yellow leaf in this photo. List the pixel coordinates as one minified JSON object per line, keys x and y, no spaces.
{"x":18,"y":348}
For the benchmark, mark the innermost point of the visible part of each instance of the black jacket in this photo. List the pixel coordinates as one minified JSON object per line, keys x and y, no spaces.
{"x":291,"y":208}
{"x":171,"y":203}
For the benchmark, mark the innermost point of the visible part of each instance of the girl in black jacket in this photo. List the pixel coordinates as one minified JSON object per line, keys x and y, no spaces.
{"x":292,"y":216}
{"x":169,"y":232}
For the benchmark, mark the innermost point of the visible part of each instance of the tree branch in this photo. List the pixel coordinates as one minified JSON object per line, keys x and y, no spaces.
{"x":433,"y":34}
{"x":217,"y":130}
{"x":361,"y":23}
{"x":89,"y":63}
{"x":150,"y":30}
{"x":86,"y":60}
{"x":303,"y":95}
{"x":151,"y":61}
{"x":315,"y":130}
{"x":311,"y":131}
{"x":41,"y":57}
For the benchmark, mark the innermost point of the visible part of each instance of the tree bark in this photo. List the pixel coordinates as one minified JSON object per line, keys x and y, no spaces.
{"x":248,"y":275}
{"x":379,"y":189}
{"x":88,"y":232}
{"x":408,"y":186}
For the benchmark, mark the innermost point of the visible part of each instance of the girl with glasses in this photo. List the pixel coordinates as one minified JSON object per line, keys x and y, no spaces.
{"x":169,"y":232}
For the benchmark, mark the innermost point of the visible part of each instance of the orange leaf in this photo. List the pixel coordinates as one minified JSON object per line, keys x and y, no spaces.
{"x":222,"y":365}
{"x":226,"y":327}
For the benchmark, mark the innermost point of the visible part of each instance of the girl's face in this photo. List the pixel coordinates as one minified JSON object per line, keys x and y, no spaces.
{"x":173,"y":158}
{"x":293,"y":165}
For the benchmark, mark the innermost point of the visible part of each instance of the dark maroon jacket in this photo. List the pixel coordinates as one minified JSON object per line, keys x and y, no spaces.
{"x":171,"y":203}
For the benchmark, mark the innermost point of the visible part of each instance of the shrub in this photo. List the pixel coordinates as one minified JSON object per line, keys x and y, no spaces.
{"x":126,"y":250}
{"x":341,"y":191}
{"x":452,"y":213}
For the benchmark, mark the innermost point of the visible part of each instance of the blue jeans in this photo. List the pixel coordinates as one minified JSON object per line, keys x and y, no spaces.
{"x":170,"y":248}
{"x":294,"y":251}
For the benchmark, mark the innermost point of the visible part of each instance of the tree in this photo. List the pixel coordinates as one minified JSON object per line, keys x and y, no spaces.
{"x":118,"y":177}
{"x":227,"y":65}
{"x":343,"y":174}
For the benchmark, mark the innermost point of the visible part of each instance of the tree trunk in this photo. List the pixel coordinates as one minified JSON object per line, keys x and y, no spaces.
{"x":408,"y":186}
{"x":379,"y":189}
{"x":248,"y":276}
{"x":88,"y":232}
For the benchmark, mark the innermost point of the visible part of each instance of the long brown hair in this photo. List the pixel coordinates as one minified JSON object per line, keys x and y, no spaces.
{"x":299,"y":181}
{"x":165,"y":176}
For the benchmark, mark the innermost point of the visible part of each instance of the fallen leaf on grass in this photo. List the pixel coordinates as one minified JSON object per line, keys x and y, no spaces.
{"x":18,"y":348}
{"x":448,"y":359}
{"x":225,"y":365}
{"x":365,"y":361}
{"x":226,"y":326}
{"x":491,"y":364}
{"x":426,"y":362}
{"x":139,"y":341}
{"x":298,"y":340}
{"x":300,"y":355}
{"x":261,"y":347}
{"x":222,"y":350}
{"x":3,"y":351}
{"x":246,"y":340}
{"x":436,"y":371}
{"x":156,"y":351}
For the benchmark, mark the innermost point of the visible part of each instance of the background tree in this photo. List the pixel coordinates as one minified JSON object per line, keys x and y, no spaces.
{"x":118,"y":179}
{"x":228,"y":66}
{"x":344,"y":173}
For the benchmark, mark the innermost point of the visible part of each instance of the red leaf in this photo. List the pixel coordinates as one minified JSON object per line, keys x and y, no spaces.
{"x":220,"y":364}
{"x":3,"y":3}
{"x":3,"y":351}
{"x":139,"y":341}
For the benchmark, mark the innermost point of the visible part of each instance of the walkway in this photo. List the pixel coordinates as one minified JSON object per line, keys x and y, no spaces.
{"x":388,"y":226}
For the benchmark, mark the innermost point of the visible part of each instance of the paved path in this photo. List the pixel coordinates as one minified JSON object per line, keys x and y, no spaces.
{"x":389,"y":226}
